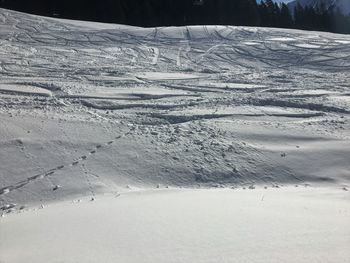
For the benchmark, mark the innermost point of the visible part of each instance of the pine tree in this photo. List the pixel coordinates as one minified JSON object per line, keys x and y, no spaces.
{"x":286,"y":20}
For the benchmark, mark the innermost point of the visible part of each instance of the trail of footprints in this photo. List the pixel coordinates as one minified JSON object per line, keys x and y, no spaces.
{"x":10,"y":188}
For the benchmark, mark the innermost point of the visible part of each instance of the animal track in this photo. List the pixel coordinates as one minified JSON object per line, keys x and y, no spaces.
{"x":7,"y":189}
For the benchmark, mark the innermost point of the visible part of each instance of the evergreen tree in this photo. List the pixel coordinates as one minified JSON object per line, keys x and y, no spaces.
{"x":285,"y":19}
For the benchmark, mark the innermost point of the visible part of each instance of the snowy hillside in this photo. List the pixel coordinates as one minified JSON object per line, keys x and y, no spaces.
{"x":342,"y":5}
{"x":94,"y":107}
{"x":102,"y":126}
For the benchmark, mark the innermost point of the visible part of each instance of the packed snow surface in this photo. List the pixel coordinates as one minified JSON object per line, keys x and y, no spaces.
{"x":88,"y":109}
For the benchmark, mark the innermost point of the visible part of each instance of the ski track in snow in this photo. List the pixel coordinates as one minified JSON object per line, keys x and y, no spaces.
{"x":187,"y":92}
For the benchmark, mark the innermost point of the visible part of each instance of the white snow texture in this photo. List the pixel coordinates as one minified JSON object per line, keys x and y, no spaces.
{"x":89,"y":109}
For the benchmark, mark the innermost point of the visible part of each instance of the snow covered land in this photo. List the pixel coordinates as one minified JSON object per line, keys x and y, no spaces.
{"x":115,"y":142}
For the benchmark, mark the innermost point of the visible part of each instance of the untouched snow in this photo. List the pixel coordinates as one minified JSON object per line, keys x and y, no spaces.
{"x":88,"y":109}
{"x":273,"y":225}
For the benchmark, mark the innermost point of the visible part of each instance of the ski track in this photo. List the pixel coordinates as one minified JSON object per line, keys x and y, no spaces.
{"x":161,"y":80}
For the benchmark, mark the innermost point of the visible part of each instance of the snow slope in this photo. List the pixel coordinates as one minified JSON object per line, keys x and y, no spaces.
{"x":94,"y":107}
{"x":90,"y":112}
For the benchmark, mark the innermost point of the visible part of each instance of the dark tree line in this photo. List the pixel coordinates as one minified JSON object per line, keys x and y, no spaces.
{"x":317,"y":18}
{"x":188,"y":12}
